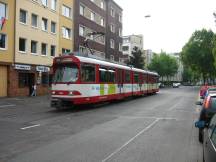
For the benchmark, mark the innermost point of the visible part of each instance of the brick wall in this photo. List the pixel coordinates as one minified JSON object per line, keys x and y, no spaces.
{"x":13,"y":85}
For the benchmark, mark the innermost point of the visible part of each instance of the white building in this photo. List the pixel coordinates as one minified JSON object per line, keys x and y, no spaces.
{"x":148,"y":56}
{"x":129,"y":42}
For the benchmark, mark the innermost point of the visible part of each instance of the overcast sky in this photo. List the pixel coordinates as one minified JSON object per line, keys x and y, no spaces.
{"x":171,"y":23}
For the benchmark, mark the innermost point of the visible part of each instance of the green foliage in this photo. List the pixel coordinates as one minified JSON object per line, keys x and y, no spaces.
{"x":197,"y":54}
{"x":164,"y":65}
{"x":138,"y":59}
{"x":189,"y":75}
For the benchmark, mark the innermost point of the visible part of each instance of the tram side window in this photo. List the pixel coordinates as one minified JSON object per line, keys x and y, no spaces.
{"x":136,"y":77}
{"x":127,"y":77}
{"x":111,"y":75}
{"x":88,"y":73}
{"x":103,"y":75}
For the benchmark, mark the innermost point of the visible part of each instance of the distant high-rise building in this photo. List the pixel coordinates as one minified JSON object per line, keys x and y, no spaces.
{"x":129,"y":42}
{"x":148,"y":54}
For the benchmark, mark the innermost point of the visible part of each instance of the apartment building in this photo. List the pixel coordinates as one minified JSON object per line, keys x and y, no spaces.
{"x":113,"y":31}
{"x":103,"y":16}
{"x":66,"y":26}
{"x":36,"y":44}
{"x":6,"y":42}
{"x":90,"y":16}
{"x":129,"y":42}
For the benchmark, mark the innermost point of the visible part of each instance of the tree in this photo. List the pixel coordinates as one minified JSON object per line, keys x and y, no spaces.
{"x":198,"y":53}
{"x":189,"y":75}
{"x":164,"y":65}
{"x":138,"y":59}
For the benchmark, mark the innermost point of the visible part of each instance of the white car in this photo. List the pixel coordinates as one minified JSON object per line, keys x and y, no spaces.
{"x":176,"y":85}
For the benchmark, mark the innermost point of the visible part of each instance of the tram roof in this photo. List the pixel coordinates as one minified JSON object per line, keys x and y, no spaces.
{"x":110,"y":64}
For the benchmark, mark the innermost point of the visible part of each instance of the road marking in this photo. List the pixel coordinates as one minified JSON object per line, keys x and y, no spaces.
{"x":132,"y":139}
{"x":32,"y":126}
{"x":6,"y":106}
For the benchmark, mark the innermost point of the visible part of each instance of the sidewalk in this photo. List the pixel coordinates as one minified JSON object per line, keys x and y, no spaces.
{"x":10,"y":101}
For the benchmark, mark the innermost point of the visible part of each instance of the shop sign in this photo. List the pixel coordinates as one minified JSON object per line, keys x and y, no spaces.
{"x":42,"y":68}
{"x":22,"y":67}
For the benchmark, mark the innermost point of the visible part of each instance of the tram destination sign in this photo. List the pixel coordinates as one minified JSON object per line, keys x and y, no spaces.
{"x":22,"y":67}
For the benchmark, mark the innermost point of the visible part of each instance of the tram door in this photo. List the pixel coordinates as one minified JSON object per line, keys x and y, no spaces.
{"x":120,"y":81}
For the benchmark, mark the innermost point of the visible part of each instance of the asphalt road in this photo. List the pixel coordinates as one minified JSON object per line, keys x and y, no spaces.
{"x":156,"y":128}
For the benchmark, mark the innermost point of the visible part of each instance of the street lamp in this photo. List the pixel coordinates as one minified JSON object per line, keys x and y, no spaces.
{"x":214,"y":14}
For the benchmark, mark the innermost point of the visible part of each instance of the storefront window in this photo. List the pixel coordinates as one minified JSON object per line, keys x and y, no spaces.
{"x":23,"y":79}
{"x":45,"y":78}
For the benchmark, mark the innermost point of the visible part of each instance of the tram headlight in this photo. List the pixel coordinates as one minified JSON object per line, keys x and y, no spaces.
{"x":53,"y":92}
{"x":71,"y":93}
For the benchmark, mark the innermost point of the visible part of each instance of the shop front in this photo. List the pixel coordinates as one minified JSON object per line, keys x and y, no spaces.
{"x":22,"y":79}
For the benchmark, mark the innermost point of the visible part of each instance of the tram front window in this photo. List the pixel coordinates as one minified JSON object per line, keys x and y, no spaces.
{"x":66,"y":74}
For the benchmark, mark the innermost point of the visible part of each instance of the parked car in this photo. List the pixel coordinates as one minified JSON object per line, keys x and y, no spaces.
{"x":207,"y":111}
{"x":209,"y":140}
{"x":161,"y":85}
{"x":203,"y":90}
{"x":176,"y":85}
{"x":210,"y":90}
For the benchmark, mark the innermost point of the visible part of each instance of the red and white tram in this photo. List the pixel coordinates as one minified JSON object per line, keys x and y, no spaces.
{"x":83,"y":80}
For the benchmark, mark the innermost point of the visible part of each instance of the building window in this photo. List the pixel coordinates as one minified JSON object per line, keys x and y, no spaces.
{"x":22,"y":45}
{"x":112,"y":28}
{"x":44,"y":49}
{"x":66,"y":11}
{"x":112,"y":43}
{"x":120,"y":47}
{"x":102,"y":22}
{"x":3,"y":10}
{"x":112,"y":12}
{"x":92,"y":16}
{"x":102,"y":4}
{"x":53,"y":4}
{"x":44,"y":24}
{"x":45,"y":78}
{"x":65,"y":51}
{"x":34,"y":20}
{"x":81,"y":30}
{"x":52,"y":50}
{"x":66,"y":32}
{"x":125,"y":48}
{"x":44,"y":2}
{"x":111,"y":57}
{"x":120,"y":32}
{"x":82,"y":8}
{"x":33,"y":47}
{"x":82,"y":49}
{"x":23,"y":79}
{"x":120,"y":18}
{"x":2,"y":41}
{"x":23,"y":16}
{"x":53,"y":27}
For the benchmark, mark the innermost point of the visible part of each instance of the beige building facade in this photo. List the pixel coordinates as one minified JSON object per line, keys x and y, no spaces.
{"x":7,"y":13}
{"x":66,"y":26}
{"x":36,"y":44}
